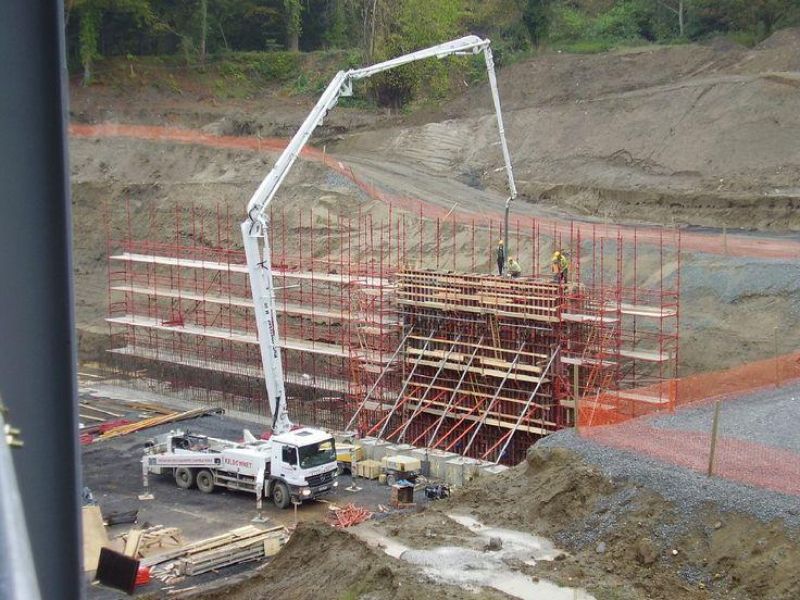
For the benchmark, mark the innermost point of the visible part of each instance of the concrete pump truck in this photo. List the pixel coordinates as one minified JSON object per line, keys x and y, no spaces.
{"x":295,"y":464}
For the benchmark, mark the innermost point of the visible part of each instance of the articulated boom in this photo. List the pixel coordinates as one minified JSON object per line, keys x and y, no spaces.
{"x":255,"y":227}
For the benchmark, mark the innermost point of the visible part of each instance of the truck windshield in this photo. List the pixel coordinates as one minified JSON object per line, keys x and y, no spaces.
{"x":315,"y":455}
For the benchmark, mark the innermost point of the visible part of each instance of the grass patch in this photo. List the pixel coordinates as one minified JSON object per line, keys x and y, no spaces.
{"x":587,"y":46}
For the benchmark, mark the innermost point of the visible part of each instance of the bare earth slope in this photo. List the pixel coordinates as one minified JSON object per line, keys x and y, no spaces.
{"x":705,"y":135}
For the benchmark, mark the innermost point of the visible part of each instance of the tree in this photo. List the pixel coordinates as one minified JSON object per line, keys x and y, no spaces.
{"x":412,"y":25}
{"x":203,"y":29}
{"x":536,"y":15}
{"x":293,"y":10}
{"x":677,"y":7}
{"x":91,"y":13}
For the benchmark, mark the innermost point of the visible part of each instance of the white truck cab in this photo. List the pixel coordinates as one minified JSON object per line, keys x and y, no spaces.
{"x":291,"y":467}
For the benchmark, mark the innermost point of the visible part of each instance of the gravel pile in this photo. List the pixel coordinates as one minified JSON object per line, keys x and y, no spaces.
{"x":771,"y":418}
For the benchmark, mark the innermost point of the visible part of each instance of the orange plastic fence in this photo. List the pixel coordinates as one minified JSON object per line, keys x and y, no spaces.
{"x":609,"y":408}
{"x":711,"y":242}
{"x":610,"y":420}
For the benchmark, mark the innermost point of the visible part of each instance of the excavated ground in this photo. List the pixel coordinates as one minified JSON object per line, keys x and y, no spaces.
{"x":728,"y":302}
{"x":700,"y":135}
{"x":621,"y":541}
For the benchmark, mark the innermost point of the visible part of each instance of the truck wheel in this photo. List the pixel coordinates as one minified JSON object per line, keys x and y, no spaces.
{"x":205,"y":481}
{"x":184,"y":478}
{"x":391,"y":479}
{"x":280,"y":495}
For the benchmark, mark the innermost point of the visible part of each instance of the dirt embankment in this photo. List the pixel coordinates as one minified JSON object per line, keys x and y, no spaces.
{"x":703,"y":135}
{"x":322,"y":562}
{"x":624,"y":541}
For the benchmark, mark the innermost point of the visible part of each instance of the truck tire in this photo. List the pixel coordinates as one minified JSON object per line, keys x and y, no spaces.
{"x":184,"y":478}
{"x":205,"y":481}
{"x":391,"y":479}
{"x":280,"y":495}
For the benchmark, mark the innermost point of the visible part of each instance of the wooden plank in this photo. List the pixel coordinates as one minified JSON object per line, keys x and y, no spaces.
{"x":100,"y":410}
{"x":286,"y":343}
{"x":647,"y":356}
{"x":493,"y":422}
{"x":91,"y":418}
{"x":480,"y":371}
{"x":639,"y":397}
{"x":132,"y":542}
{"x":95,"y":536}
{"x":580,"y":318}
{"x":342,"y":314}
{"x":209,"y":265}
{"x":473,"y":393}
{"x":481,"y":347}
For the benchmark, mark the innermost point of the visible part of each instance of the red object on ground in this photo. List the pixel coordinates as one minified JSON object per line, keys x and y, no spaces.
{"x":143,"y":576}
{"x":348,"y":516}
{"x":108,"y":425}
{"x":86,"y":439}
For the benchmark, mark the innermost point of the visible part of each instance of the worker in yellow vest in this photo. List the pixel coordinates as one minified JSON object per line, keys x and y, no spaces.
{"x":560,"y":266}
{"x":513,"y":267}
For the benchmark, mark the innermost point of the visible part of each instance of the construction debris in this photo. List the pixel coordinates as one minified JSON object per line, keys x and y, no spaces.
{"x":236,"y":546}
{"x":155,"y":421}
{"x":348,"y":516}
{"x":145,"y":542}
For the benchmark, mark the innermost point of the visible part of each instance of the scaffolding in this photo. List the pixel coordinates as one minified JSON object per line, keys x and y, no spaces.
{"x":391,"y":323}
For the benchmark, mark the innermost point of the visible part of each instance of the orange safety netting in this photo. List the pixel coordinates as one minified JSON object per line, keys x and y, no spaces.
{"x":610,"y":420}
{"x":610,"y":407}
{"x":710,"y":242}
{"x":747,"y":462}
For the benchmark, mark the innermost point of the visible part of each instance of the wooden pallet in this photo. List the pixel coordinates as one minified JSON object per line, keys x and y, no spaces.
{"x":236,"y":546}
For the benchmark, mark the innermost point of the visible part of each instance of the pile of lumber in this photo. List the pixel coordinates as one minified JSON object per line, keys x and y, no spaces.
{"x":172,"y":417}
{"x":349,"y":515}
{"x":144,"y":542}
{"x":236,"y":546}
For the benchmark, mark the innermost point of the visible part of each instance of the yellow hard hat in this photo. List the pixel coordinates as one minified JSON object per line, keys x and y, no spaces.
{"x":500,"y":242}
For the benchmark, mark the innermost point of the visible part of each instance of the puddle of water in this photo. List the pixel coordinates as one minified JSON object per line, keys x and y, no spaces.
{"x":533,"y":547}
{"x":475,"y":569}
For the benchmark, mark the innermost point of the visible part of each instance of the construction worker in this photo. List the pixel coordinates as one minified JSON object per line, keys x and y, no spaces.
{"x":513,"y":268}
{"x":501,"y":257}
{"x":560,"y":266}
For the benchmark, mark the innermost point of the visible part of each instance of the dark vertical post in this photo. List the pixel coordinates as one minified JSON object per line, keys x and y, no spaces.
{"x":38,"y":354}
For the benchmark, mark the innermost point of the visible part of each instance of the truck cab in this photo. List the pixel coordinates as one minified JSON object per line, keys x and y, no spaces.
{"x":305,"y":460}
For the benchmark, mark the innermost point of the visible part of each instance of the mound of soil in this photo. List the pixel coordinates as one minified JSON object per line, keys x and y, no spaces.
{"x":322,"y":562}
{"x":624,"y":541}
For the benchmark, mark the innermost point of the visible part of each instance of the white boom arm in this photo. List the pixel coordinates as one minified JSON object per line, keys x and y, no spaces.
{"x":254,"y":227}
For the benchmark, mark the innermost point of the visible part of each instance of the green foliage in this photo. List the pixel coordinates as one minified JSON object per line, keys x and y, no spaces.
{"x":417,"y":24}
{"x":245,"y":40}
{"x":270,"y":66}
{"x":569,"y":24}
{"x":537,"y":16}
{"x":759,"y":17}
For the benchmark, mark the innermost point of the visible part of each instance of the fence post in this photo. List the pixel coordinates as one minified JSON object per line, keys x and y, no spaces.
{"x":714,"y":427}
{"x":577,"y":400}
{"x":777,"y":375}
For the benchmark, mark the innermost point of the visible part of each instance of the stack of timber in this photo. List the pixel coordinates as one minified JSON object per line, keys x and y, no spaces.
{"x":159,"y":420}
{"x":236,"y":546}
